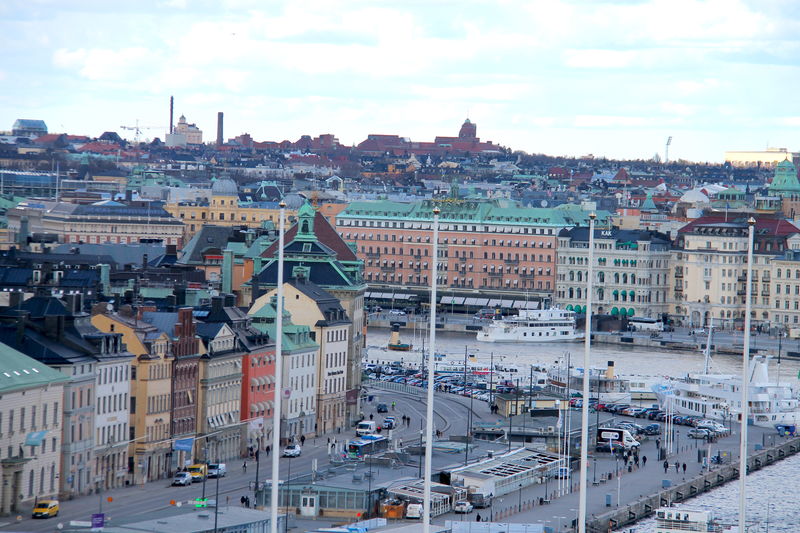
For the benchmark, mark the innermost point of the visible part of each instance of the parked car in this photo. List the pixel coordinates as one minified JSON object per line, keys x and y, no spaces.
{"x":382,"y":408}
{"x":463,"y":507}
{"x":182,"y":479}
{"x":397,"y":312}
{"x":697,"y":433}
{"x":652,"y":429}
{"x":292,"y":450}
{"x":45,"y":509}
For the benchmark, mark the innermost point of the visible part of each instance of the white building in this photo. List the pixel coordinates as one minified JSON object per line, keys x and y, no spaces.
{"x":112,"y":409}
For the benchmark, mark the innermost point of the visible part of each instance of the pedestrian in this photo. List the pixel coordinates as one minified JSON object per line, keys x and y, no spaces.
{"x":393,"y":404}
{"x":677,"y":466}
{"x":329,"y":440}
{"x":636,"y":460}
{"x":267,"y":450}
{"x":244,"y":466}
{"x":247,"y":502}
{"x":644,"y":461}
{"x":658,"y":444}
{"x":684,"y":469}
{"x":666,"y":466}
{"x":242,"y":500}
{"x":302,"y":440}
{"x":400,"y":443}
{"x":371,"y":416}
{"x":227,"y":500}
{"x":478,"y":517}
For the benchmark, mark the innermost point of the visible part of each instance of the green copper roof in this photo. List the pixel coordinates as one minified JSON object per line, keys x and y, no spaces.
{"x":20,"y":372}
{"x":472,"y":211}
{"x":785,"y":180}
{"x":649,"y":204}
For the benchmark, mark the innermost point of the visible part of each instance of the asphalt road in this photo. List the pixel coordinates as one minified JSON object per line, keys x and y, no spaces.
{"x":131,"y":504}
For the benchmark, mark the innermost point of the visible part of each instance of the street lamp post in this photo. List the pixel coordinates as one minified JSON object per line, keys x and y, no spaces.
{"x":746,"y":379}
{"x":586,"y":362}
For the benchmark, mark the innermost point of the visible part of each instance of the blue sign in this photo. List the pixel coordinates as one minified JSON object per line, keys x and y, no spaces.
{"x":184,"y":445}
{"x":98,"y":520}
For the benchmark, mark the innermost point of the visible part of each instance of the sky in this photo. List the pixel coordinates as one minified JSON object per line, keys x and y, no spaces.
{"x":571,"y":77}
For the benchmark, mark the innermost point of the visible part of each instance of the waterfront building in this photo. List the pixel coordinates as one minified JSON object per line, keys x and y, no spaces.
{"x":709,"y":261}
{"x":489,"y":247}
{"x":30,"y":427}
{"x":332,"y":265}
{"x":631,"y":272}
{"x":785,"y":287}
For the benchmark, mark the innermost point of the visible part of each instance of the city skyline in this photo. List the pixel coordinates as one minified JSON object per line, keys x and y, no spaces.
{"x":612,"y":79}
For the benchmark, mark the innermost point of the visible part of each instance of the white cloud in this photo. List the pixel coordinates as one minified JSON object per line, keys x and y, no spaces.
{"x":103,"y":64}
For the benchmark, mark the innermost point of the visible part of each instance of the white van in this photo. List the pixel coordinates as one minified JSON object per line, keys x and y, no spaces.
{"x":217,"y":470}
{"x":609,"y":438}
{"x":367,"y":427}
{"x":414,"y":510}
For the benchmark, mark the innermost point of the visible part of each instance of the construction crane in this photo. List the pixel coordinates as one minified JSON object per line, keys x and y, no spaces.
{"x":138,"y":129}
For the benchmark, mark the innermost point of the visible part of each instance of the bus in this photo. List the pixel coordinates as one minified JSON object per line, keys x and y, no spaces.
{"x":366,"y":445}
{"x":645,"y":324}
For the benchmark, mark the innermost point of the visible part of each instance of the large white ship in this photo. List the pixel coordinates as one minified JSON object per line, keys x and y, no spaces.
{"x":718,"y":396}
{"x":547,"y":325}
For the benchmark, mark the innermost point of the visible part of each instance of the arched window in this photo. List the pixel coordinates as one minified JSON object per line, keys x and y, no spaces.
{"x":571,"y":293}
{"x":625,"y":278}
{"x":616,"y":277}
{"x":580,"y":276}
{"x":601,"y":277}
{"x":600,"y":293}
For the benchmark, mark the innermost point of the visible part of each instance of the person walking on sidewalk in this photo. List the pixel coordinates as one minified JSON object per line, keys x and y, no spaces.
{"x":644,"y":461}
{"x":684,"y":469}
{"x":677,"y":467}
{"x":666,"y":466}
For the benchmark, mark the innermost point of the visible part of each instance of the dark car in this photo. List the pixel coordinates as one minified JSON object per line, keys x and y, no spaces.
{"x":652,"y":429}
{"x":382,"y":408}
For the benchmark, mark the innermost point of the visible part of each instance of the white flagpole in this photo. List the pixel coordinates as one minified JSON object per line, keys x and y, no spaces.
{"x":745,"y":380}
{"x":586,"y":366}
{"x":426,"y":515}
{"x":278,"y":391}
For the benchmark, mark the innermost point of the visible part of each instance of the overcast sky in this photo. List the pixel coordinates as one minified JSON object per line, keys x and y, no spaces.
{"x":557,"y":77}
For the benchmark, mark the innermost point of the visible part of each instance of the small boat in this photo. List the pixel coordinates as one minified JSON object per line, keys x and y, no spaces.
{"x":395,"y":344}
{"x":679,"y":520}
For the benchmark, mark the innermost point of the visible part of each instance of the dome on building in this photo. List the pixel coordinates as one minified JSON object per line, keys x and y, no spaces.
{"x":225,"y":187}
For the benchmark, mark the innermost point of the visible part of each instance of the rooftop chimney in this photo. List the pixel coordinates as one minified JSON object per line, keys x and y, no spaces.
{"x":610,"y":370}
{"x":219,"y":128}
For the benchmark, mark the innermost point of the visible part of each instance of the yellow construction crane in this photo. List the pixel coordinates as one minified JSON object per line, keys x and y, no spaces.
{"x":138,"y":129}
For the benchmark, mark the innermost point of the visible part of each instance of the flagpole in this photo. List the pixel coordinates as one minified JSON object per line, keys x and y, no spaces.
{"x":745,"y":380}
{"x":585,"y":400}
{"x":426,"y":505}
{"x":278,"y":390}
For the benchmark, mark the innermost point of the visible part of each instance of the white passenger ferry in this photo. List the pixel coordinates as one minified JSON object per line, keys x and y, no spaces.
{"x":547,"y":325}
{"x":718,"y":396}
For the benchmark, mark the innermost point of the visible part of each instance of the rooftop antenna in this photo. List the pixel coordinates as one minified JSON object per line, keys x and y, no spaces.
{"x":666,"y":150}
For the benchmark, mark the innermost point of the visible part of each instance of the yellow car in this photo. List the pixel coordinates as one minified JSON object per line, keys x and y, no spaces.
{"x":45,"y":509}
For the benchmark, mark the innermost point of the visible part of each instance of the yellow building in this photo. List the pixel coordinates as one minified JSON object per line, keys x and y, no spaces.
{"x":151,"y":387}
{"x":225,"y":209}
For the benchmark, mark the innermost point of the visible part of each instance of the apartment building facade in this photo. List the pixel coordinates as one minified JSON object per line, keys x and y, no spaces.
{"x":631,"y":272}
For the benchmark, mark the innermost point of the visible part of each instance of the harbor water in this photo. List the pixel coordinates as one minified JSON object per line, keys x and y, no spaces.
{"x":627,"y":360}
{"x":771,"y":507}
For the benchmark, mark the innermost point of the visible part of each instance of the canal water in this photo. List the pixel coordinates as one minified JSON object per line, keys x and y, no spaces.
{"x":773,"y":499}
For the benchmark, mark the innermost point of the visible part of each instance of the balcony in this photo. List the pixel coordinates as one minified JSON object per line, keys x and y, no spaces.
{"x":373,"y":255}
{"x":495,"y":274}
{"x":387,"y":268}
{"x":679,"y":274}
{"x":511,"y":261}
{"x":462,"y":259}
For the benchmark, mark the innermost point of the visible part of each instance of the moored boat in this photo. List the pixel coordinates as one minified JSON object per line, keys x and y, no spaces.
{"x":546,"y":325}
